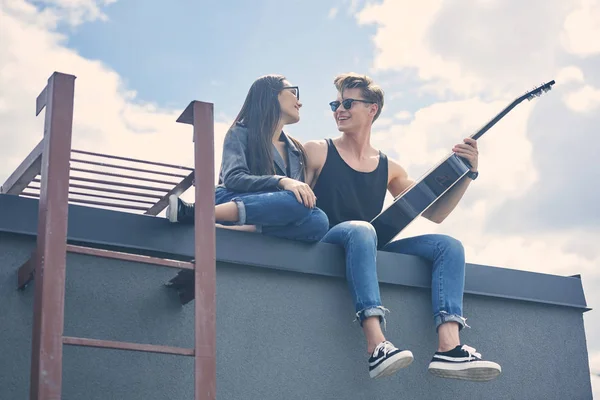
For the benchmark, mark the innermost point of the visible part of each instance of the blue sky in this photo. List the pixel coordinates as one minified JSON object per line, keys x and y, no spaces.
{"x":212,"y":51}
{"x":446,"y":68}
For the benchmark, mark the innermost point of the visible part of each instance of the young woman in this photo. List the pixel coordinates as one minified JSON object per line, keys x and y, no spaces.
{"x":261,"y":181}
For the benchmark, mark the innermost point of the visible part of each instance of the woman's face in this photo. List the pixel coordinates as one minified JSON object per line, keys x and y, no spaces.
{"x":289,"y":103}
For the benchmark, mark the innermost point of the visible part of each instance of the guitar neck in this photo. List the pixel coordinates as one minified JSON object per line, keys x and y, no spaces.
{"x":534,"y":93}
{"x":494,"y":120}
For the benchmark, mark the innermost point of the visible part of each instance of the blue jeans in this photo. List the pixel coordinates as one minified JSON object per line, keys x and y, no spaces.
{"x":276,"y":214}
{"x":445,"y":253}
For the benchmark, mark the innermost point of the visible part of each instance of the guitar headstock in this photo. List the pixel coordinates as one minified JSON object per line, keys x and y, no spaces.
{"x":538,"y":91}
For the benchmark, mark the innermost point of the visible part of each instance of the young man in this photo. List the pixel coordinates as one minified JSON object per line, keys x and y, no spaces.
{"x":350,"y":179}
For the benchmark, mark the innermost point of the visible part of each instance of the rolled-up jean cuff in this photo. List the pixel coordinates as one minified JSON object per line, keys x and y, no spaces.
{"x":375,"y":311}
{"x":444,"y":317}
{"x":241,"y":211}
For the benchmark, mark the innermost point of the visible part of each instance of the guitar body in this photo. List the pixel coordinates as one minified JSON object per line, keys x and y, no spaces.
{"x":418,"y":198}
{"x":428,"y":189}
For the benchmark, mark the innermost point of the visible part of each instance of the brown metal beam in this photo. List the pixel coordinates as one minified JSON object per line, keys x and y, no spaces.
{"x":108,"y":344}
{"x":139,"y":178}
{"x":94,"y":203}
{"x":26,"y":272}
{"x":147,"y":171}
{"x":130,"y":257}
{"x":110,"y":183}
{"x":101,"y":196}
{"x":107,"y":190}
{"x":136,"y":160}
{"x":201,"y":115}
{"x":177,"y":190}
{"x":24,"y":174}
{"x":50,"y":259}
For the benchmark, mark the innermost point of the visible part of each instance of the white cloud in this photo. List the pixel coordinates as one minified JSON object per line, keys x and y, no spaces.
{"x":467,"y":46}
{"x":435,"y":129}
{"x":581,"y":34}
{"x":403,"y":115}
{"x":569,"y":74}
{"x":332,"y":13}
{"x":595,"y":370}
{"x":108,"y":117}
{"x":595,"y":386}
{"x":584,"y":99}
{"x":76,"y":12}
{"x":466,"y":56}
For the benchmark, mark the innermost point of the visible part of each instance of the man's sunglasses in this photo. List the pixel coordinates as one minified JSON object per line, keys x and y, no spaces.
{"x":347,"y":103}
{"x":293,"y":89}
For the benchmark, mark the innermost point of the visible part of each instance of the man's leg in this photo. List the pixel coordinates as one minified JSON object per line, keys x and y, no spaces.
{"x":359,"y":240}
{"x":447,"y":287}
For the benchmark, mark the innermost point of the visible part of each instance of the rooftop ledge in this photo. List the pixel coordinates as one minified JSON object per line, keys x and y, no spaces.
{"x":155,"y":236}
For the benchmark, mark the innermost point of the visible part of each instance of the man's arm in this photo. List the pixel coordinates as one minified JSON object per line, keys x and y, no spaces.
{"x":316,"y":154}
{"x":449,"y":200}
{"x":400,"y":182}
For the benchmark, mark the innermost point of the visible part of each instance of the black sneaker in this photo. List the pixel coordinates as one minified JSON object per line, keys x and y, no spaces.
{"x":179,"y":211}
{"x":387,"y":359}
{"x":463,"y":362}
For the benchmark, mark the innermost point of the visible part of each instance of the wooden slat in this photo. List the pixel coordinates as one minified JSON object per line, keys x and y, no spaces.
{"x":108,"y":344}
{"x":129,"y":257}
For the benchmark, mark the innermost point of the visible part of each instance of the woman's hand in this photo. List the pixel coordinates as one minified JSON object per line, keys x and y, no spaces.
{"x":301,"y":190}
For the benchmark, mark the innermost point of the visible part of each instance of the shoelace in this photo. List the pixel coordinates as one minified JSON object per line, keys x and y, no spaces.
{"x":472,"y":352}
{"x":386,"y":347}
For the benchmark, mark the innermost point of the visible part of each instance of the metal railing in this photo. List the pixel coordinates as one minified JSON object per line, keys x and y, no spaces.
{"x":95,"y":178}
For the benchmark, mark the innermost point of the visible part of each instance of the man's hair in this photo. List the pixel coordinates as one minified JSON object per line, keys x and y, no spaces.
{"x":368,"y":89}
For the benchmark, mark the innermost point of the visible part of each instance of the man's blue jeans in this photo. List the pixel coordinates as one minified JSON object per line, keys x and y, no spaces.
{"x":445,"y":253}
{"x":276,"y":214}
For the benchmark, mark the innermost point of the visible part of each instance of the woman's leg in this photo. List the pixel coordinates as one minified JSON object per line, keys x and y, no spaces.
{"x":273,"y":213}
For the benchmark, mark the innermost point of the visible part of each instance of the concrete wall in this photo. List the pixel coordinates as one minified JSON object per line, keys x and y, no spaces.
{"x":287,"y":334}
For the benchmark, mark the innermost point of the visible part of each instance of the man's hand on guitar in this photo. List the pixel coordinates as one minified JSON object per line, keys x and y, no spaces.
{"x":468,"y":150}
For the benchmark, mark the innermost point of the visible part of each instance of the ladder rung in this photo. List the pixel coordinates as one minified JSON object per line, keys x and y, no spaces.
{"x":107,"y":344}
{"x":129,"y":257}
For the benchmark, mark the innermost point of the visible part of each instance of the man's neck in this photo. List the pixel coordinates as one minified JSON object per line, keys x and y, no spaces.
{"x":358,"y":143}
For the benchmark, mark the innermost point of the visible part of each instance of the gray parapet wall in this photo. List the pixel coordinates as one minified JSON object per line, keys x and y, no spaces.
{"x":285,"y":326}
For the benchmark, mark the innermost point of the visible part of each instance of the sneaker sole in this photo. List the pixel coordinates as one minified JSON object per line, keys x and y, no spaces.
{"x":393,"y":364}
{"x":480,"y":372}
{"x":172,"y":210}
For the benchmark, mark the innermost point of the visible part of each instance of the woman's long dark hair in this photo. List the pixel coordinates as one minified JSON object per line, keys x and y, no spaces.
{"x":260,"y":114}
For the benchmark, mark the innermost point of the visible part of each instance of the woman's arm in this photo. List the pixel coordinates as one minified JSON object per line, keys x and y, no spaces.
{"x":235,"y":172}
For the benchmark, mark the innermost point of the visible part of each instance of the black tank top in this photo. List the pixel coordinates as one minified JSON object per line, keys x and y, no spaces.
{"x":345,"y":194}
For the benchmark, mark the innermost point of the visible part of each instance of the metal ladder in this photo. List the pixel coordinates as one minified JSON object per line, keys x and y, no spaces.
{"x":48,"y":263}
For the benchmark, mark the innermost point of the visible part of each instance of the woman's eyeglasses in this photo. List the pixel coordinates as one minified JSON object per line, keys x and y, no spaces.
{"x":294,"y":89}
{"x":347,"y":103}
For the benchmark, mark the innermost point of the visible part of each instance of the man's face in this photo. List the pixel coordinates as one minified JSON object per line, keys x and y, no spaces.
{"x":358,"y":116}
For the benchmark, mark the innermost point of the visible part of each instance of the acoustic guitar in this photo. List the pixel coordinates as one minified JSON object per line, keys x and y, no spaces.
{"x":415,"y":200}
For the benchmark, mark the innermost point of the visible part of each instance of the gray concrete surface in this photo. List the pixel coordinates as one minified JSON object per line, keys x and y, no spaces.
{"x":280,"y":335}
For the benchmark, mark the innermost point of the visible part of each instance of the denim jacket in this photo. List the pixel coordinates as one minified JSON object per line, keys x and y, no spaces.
{"x":235,"y":173}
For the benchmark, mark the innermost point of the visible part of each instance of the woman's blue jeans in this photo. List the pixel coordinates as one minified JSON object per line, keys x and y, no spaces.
{"x":444,"y":252}
{"x":276,"y":214}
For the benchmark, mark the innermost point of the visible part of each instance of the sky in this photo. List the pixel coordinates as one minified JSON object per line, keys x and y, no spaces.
{"x":446,"y":68}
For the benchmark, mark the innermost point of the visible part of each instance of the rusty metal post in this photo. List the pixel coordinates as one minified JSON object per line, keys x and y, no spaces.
{"x":201,"y":116}
{"x":50,"y":255}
